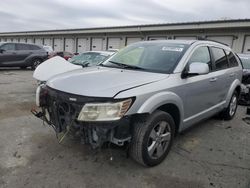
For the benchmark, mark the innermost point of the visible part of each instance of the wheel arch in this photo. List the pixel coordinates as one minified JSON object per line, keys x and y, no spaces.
{"x":174,"y":111}
{"x":168,"y":102}
{"x":235,"y":86}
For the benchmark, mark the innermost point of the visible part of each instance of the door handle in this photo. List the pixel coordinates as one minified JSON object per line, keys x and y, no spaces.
{"x":232,"y":74}
{"x":213,"y":79}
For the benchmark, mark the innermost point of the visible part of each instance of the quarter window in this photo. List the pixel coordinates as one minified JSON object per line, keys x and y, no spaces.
{"x":22,"y":47}
{"x":232,"y":59}
{"x":220,"y":58}
{"x":34,"y":47}
{"x":201,"y":55}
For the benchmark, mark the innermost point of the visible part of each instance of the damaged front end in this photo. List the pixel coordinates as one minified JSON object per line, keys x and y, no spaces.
{"x":65,"y":113}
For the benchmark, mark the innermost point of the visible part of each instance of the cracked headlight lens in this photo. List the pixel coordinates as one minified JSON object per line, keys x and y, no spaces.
{"x":104,"y":111}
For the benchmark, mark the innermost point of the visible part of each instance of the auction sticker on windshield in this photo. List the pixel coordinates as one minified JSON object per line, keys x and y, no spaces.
{"x":169,"y":48}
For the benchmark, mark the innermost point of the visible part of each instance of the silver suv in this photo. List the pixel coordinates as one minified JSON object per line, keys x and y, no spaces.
{"x":144,"y":95}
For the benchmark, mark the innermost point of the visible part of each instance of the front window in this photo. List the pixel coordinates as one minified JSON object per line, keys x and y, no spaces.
{"x":159,"y":57}
{"x":201,"y":55}
{"x":245,"y":61}
{"x":90,"y":58}
{"x":8,"y":47}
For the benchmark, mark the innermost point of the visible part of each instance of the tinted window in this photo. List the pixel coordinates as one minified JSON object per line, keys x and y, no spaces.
{"x":8,"y":47}
{"x":152,"y":56}
{"x":220,"y":58}
{"x":34,"y":47}
{"x":201,"y":55}
{"x":22,"y":47}
{"x":232,"y":59}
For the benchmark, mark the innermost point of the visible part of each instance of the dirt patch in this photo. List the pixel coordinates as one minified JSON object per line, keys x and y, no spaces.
{"x":160,"y":180}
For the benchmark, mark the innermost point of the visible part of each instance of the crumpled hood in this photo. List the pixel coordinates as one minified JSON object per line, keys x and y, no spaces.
{"x":102,"y":81}
{"x":53,"y":66}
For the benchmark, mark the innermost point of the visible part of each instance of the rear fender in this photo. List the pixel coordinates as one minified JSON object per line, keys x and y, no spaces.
{"x":234,"y":85}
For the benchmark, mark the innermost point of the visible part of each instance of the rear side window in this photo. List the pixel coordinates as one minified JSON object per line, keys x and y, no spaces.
{"x":232,"y":59}
{"x":201,"y":55}
{"x":8,"y":47}
{"x":22,"y":47}
{"x":220,"y":59}
{"x":27,"y":47}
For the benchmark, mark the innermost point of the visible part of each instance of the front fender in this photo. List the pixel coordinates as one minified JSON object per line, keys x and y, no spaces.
{"x":159,"y":99}
{"x":234,"y":85}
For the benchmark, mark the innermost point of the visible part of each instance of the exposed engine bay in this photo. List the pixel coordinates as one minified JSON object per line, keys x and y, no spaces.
{"x":60,"y":110}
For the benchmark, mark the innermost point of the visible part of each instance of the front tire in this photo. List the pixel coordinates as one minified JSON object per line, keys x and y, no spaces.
{"x":230,"y":111}
{"x":152,"y":138}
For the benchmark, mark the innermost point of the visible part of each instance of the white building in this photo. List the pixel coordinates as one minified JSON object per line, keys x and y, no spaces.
{"x":235,"y":33}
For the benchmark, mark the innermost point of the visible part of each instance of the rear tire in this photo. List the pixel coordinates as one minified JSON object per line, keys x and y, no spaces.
{"x":230,"y":111}
{"x":35,"y":63}
{"x":152,"y":138}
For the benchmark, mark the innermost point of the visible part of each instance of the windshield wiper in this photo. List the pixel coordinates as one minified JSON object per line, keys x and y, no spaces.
{"x":83,"y":64}
{"x":127,"y":66}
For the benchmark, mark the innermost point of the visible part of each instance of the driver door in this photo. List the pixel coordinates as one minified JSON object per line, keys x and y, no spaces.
{"x":201,"y":90}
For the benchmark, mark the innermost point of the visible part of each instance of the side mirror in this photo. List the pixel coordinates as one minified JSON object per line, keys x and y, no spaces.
{"x":196,"y":68}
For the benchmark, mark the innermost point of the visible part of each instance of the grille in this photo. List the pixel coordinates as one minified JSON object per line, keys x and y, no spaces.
{"x":64,"y":108}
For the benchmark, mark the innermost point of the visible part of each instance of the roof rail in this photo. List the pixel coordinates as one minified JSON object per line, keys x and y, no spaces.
{"x":204,"y":38}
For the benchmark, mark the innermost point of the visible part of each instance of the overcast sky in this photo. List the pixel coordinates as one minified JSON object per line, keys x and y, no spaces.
{"x":27,"y":15}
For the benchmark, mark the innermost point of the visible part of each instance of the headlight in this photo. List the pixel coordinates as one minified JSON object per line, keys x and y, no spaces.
{"x":104,"y":111}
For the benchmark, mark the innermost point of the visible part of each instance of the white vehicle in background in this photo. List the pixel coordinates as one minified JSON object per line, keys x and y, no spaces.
{"x":48,"y":49}
{"x":58,"y":65}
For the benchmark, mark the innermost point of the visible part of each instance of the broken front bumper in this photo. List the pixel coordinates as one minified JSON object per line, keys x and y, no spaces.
{"x":60,"y":110}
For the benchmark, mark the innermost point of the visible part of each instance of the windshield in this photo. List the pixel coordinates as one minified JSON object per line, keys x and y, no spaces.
{"x":159,"y":57}
{"x":90,"y":58}
{"x":245,"y":61}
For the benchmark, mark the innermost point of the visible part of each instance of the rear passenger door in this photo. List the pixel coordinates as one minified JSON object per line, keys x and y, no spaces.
{"x":222,"y":74}
{"x":23,"y":51}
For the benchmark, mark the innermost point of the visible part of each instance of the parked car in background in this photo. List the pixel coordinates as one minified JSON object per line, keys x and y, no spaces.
{"x":21,"y":55}
{"x":58,"y":65}
{"x":63,"y":54}
{"x":245,"y":59}
{"x":144,"y":95}
{"x":245,"y":86}
{"x":49,"y":50}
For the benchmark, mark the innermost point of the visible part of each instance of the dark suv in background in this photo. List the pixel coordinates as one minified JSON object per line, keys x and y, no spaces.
{"x":21,"y":55}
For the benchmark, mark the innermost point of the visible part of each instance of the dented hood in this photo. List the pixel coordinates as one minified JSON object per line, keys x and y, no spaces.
{"x":53,"y":66}
{"x":102,"y":81}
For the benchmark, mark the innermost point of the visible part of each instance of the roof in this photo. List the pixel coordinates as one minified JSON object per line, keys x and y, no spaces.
{"x":233,"y":23}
